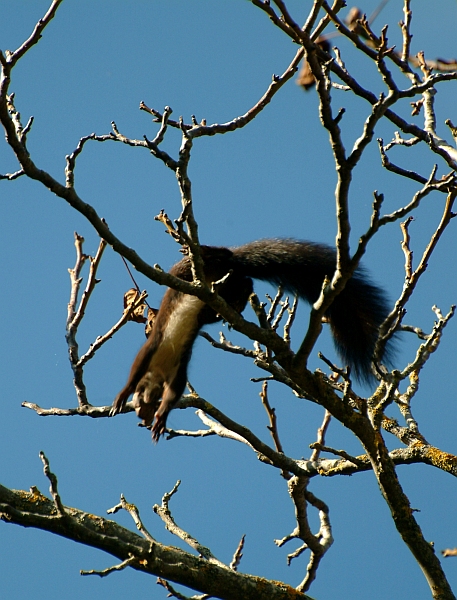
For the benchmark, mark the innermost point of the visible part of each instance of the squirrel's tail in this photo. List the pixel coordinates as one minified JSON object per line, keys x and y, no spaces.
{"x":300,"y":267}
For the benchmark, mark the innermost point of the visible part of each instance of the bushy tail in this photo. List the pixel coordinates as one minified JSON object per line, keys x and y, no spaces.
{"x":300,"y":267}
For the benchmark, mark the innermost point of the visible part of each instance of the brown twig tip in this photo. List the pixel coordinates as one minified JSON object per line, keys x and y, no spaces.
{"x":124,"y":564}
{"x":238,"y":554}
{"x":416,"y":107}
{"x":53,"y":487}
{"x":134,"y":513}
{"x":12,"y":176}
{"x":163,"y":218}
{"x":405,"y":244}
{"x":172,"y":593}
{"x":13,"y":57}
{"x":339,"y":116}
{"x":452,"y":128}
{"x":426,"y":70}
{"x":318,"y":445}
{"x":273,"y":424}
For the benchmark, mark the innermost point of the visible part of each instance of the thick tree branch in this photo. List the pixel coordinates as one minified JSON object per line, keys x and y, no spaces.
{"x":32,"y":509}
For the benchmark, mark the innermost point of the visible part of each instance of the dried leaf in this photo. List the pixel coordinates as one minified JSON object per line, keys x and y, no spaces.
{"x":152,"y":312}
{"x":305,"y":77}
{"x":130,"y":297}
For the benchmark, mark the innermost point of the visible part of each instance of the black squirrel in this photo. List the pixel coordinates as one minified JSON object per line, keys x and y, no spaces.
{"x":159,"y":372}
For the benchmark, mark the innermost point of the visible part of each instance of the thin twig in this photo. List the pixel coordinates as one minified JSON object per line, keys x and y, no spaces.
{"x":120,"y":567}
{"x":53,"y":487}
{"x":165,"y":514}
{"x":134,"y":513}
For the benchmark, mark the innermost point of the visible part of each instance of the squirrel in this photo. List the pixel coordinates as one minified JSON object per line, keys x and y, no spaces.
{"x":158,"y":375}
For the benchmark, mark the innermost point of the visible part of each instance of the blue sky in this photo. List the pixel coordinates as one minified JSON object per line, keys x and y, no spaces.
{"x":95,"y":63}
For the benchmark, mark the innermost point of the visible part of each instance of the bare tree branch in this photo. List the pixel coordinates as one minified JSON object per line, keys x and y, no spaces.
{"x":32,"y":509}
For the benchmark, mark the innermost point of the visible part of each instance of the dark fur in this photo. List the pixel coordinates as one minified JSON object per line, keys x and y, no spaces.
{"x":159,"y":372}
